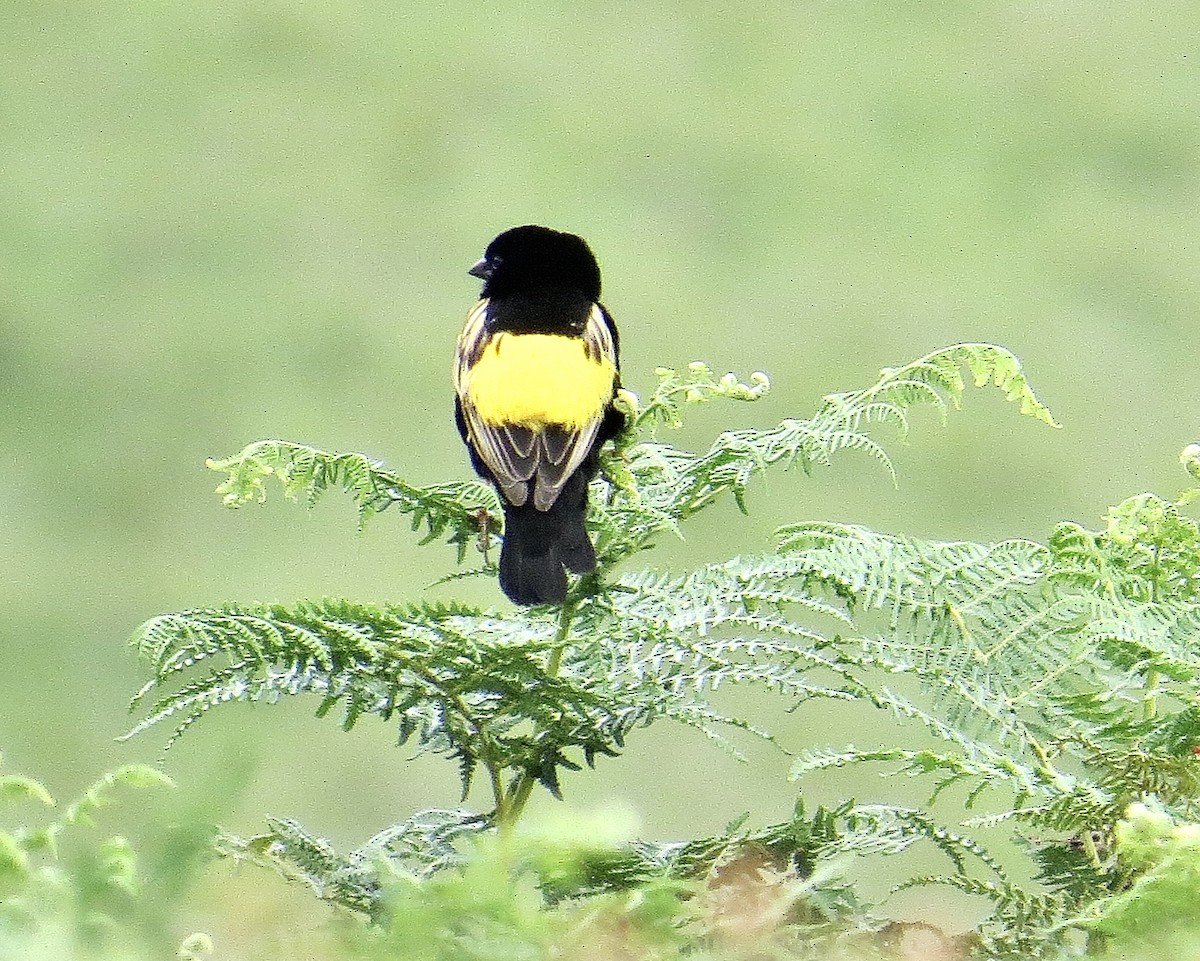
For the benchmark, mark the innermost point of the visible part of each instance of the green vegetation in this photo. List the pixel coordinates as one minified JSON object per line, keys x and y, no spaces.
{"x":227,"y":221}
{"x":63,"y":892}
{"x":1054,"y":685}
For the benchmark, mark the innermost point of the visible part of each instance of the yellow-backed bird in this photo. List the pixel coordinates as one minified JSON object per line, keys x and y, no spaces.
{"x":535,"y":374}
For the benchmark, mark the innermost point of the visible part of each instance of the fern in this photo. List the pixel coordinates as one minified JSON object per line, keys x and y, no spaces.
{"x":1049,"y":685}
{"x":458,"y":680}
{"x":421,"y":846}
{"x":451,"y":511}
{"x":64,"y":888}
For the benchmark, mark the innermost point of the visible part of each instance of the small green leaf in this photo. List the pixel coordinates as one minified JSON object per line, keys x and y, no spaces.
{"x":14,"y":861}
{"x":15,"y":787}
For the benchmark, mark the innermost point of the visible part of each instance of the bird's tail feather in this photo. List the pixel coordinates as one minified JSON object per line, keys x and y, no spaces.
{"x":541,"y":546}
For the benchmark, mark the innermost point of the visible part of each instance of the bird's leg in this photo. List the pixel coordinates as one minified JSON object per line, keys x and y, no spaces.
{"x":484,"y":520}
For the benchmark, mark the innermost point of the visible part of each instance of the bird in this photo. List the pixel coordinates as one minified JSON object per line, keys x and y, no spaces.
{"x":536,"y":372}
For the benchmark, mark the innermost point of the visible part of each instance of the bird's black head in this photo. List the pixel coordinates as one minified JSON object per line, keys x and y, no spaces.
{"x":531,"y":257}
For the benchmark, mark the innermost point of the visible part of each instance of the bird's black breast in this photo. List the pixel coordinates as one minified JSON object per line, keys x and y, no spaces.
{"x":547,"y":311}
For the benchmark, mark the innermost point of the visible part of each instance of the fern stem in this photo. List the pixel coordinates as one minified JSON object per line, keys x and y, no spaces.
{"x":497,"y":783}
{"x":1049,"y":771}
{"x":511,"y":805}
{"x":565,"y":616}
{"x":1090,"y":849}
{"x":1150,"y":695}
{"x":964,"y":631}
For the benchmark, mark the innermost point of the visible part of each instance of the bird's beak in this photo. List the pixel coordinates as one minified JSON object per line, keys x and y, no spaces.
{"x":482,"y":270}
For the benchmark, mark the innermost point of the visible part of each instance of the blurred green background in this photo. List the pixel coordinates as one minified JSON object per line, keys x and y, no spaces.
{"x":224,"y":221}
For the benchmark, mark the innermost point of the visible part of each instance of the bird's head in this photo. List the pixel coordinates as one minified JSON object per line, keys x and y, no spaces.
{"x":531,"y":257}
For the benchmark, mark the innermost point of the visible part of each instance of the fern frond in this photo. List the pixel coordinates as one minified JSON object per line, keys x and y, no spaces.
{"x":1023,"y":924}
{"x":451,"y":511}
{"x":419,"y":847}
{"x":696,"y":384}
{"x":870,"y":829}
{"x":670,"y":485}
{"x":471,"y":686}
{"x":975,"y":622}
{"x":984,"y":768}
{"x":430,"y":668}
{"x":666,"y":642}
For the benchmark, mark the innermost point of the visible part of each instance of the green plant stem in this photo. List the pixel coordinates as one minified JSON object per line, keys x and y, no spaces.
{"x":1150,"y":692}
{"x":1049,"y":771}
{"x":511,"y":805}
{"x":1150,"y":695}
{"x":565,"y":616}
{"x":1092,"y":852}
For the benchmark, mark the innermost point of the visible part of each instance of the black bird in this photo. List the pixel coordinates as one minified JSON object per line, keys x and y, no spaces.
{"x":535,"y":374}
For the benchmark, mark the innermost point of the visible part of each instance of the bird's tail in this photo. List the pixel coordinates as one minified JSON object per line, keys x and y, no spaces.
{"x":541,"y":546}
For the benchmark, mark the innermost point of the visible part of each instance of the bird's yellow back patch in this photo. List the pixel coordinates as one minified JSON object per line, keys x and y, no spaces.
{"x":539,"y":379}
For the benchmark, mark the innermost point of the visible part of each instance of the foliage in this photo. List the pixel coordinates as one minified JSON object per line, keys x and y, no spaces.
{"x":709,"y":899}
{"x":1048,"y":686}
{"x":1155,"y":915}
{"x":63,"y":892}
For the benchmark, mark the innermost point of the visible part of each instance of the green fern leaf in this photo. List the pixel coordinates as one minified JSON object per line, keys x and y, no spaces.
{"x":453,"y":511}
